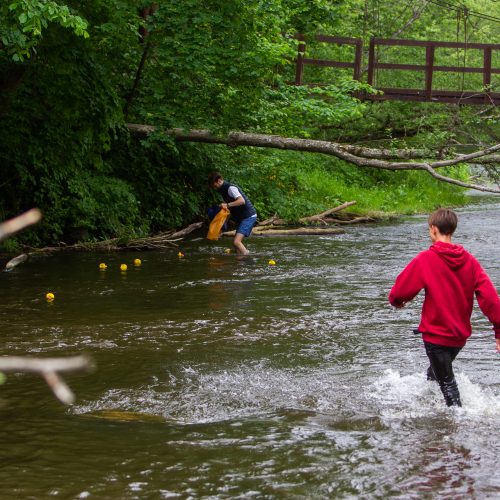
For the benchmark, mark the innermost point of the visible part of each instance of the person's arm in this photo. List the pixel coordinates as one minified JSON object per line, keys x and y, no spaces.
{"x":407,"y":285}
{"x":488,"y":300}
{"x":238,"y":199}
{"x":235,"y":203}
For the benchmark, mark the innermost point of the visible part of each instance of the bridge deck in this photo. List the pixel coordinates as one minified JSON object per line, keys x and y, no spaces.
{"x":482,"y":95}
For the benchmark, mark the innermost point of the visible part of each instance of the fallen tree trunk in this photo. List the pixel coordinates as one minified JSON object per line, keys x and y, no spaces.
{"x":235,"y":139}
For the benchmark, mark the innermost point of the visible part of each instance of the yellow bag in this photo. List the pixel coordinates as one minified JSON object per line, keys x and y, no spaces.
{"x":217,"y":222}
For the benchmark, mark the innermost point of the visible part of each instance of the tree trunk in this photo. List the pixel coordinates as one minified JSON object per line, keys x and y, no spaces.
{"x":234,"y":139}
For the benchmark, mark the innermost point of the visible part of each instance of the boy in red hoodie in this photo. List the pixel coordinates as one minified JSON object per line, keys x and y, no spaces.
{"x":450,"y":277}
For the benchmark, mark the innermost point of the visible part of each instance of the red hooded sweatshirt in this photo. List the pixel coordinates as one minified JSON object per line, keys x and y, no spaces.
{"x":450,"y":277}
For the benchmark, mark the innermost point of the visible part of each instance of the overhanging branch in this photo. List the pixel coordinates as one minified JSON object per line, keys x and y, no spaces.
{"x":347,"y":153}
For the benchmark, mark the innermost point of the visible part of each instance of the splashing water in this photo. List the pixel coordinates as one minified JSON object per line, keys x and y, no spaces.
{"x":219,"y":377}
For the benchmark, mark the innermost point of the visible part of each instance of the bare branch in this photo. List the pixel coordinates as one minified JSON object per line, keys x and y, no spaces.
{"x":14,"y":225}
{"x":387,"y":154}
{"x":15,"y":262}
{"x":467,"y":158}
{"x":49,"y":369}
{"x":322,"y":215}
{"x":487,"y":160}
{"x":416,"y":14}
{"x":234,"y":139}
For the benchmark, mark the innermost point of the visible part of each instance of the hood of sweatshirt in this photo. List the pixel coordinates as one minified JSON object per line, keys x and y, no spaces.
{"x":455,"y":256}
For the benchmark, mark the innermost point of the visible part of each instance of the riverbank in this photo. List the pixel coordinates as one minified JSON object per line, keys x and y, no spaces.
{"x":288,"y":184}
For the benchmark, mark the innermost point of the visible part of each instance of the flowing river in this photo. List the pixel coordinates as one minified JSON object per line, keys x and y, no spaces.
{"x":225,"y":378}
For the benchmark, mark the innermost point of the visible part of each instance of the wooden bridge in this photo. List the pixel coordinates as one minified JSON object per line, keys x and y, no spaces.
{"x":483,"y":94}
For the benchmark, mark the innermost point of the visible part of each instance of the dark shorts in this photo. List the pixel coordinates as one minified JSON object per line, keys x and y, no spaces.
{"x":246,"y":225}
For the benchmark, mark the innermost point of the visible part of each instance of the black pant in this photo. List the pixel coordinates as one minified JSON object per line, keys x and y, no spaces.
{"x":441,"y":358}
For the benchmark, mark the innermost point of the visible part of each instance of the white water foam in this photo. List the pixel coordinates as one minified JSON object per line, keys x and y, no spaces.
{"x":193,"y":396}
{"x":403,"y":396}
{"x":197,"y":397}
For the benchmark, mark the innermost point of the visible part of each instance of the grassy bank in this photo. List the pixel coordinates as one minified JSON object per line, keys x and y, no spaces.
{"x":294,"y":185}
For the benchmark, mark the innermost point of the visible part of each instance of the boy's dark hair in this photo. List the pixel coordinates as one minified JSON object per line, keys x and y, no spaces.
{"x":214,"y":177}
{"x":445,"y":220}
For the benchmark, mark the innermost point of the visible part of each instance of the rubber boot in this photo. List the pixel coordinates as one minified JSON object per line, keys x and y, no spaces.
{"x":450,"y":393}
{"x":430,"y":374}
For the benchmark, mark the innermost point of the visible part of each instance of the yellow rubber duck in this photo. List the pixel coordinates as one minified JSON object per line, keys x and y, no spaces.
{"x":137,"y":262}
{"x":50,"y":297}
{"x":103,"y":266}
{"x":123,"y":267}
{"x":272,"y":262}
{"x":227,"y":250}
{"x":180,"y":255}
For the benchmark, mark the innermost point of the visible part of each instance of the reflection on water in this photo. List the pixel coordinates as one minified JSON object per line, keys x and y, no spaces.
{"x":220,"y":377}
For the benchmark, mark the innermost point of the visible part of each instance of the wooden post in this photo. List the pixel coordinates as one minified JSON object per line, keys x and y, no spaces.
{"x":371,"y":60}
{"x":429,"y":63}
{"x":487,"y":75}
{"x":299,"y":66}
{"x":357,"y":60}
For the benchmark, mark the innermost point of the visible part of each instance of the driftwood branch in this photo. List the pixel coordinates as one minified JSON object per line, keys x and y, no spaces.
{"x":355,"y":220}
{"x":15,"y":262}
{"x":322,"y":215}
{"x":14,"y":225}
{"x":160,"y":241}
{"x":49,"y":369}
{"x":279,"y":225}
{"x":234,"y":139}
{"x":293,"y":231}
{"x":275,"y":220}
{"x":186,"y":230}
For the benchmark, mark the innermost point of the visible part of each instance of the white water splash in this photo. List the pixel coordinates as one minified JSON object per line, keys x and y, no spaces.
{"x":403,"y":396}
{"x":193,"y":396}
{"x":197,"y":397}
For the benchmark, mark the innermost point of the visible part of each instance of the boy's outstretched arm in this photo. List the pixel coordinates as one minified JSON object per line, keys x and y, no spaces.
{"x":407,"y":285}
{"x":488,"y":300}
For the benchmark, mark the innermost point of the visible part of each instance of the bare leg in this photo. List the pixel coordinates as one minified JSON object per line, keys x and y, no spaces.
{"x":238,"y":245}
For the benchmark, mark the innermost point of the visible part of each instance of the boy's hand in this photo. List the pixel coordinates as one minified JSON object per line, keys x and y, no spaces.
{"x":498,"y":345}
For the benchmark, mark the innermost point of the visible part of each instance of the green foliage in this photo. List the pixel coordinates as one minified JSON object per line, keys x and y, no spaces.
{"x":303,"y":111}
{"x":70,"y":69}
{"x":23,"y":22}
{"x":294,"y":185}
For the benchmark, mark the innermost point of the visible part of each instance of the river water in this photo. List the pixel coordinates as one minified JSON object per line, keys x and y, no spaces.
{"x":226,"y":378}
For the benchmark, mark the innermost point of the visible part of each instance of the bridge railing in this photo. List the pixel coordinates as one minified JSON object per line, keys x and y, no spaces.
{"x":483,"y":95}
